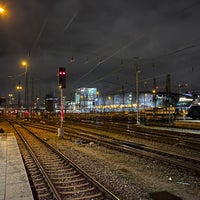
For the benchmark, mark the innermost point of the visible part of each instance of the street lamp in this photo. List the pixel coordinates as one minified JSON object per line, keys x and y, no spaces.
{"x":10,"y":99}
{"x":81,"y":102}
{"x":24,"y":64}
{"x":154,"y":97}
{"x":97,"y":99}
{"x":145,"y":94}
{"x":154,"y":101}
{"x":109,"y":100}
{"x":137,"y":93}
{"x":2,"y":10}
{"x":19,"y":88}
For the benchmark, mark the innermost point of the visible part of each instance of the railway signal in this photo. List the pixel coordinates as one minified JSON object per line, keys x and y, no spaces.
{"x":62,"y":77}
{"x":61,"y":84}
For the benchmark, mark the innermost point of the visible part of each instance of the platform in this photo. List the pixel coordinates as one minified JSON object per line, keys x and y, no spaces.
{"x":191,"y":124}
{"x":14,"y":184}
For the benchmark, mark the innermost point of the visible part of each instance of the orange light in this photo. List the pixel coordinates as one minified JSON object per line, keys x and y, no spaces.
{"x":19,"y":87}
{"x":24,"y":63}
{"x":154,"y":91}
{"x":2,"y":10}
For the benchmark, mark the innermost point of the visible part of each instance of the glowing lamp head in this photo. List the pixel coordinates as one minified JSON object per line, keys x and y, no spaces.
{"x":2,"y":10}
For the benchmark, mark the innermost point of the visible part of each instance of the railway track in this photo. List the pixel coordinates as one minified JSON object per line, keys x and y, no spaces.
{"x":53,"y":176}
{"x":183,"y":139}
{"x":185,"y":162}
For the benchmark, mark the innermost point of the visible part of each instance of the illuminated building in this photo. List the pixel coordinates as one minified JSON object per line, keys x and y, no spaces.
{"x":86,"y":98}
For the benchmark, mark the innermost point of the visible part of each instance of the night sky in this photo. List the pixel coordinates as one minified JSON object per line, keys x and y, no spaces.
{"x":100,"y":43}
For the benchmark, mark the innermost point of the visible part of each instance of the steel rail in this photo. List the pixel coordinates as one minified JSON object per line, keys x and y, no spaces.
{"x":104,"y":190}
{"x":51,"y":185}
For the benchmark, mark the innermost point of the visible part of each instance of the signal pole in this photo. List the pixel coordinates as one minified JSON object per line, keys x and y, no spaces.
{"x":61,"y":130}
{"x":62,"y":84}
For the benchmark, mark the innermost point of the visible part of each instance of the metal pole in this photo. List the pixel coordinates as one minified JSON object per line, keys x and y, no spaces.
{"x":61,"y":105}
{"x":19,"y":98}
{"x":61,"y":129}
{"x":137,"y":94}
{"x":26,"y":87}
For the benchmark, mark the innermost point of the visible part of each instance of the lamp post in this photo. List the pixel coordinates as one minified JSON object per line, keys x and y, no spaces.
{"x":97,"y":100}
{"x":81,"y":102}
{"x":154,"y":97}
{"x":19,"y":88}
{"x":24,"y":64}
{"x":109,"y":103}
{"x":154,"y":102}
{"x":10,"y":99}
{"x":137,"y":93}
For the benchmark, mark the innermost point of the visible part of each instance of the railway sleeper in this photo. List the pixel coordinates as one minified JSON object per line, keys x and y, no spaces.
{"x":66,"y":177}
{"x":97,"y":196}
{"x":39,"y":185}
{"x":74,"y":186}
{"x":46,"y":196}
{"x":49,"y":167}
{"x":61,"y":170}
{"x":52,"y":164}
{"x":38,"y":180}
{"x":70,"y":182}
{"x":43,"y":190}
{"x":35,"y":176}
{"x":75,"y":191}
{"x":32,"y":170}
{"x":59,"y":174}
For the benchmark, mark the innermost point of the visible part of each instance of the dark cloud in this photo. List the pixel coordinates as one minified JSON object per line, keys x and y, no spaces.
{"x":98,"y":41}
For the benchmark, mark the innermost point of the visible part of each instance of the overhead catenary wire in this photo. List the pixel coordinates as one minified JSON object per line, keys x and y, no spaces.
{"x":172,"y":53}
{"x":99,"y":64}
{"x":70,"y":21}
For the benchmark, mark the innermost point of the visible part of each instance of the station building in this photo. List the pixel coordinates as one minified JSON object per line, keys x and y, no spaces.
{"x":85,"y":98}
{"x":89,"y":99}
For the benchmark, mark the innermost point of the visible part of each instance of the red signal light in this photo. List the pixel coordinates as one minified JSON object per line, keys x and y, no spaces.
{"x":62,"y":73}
